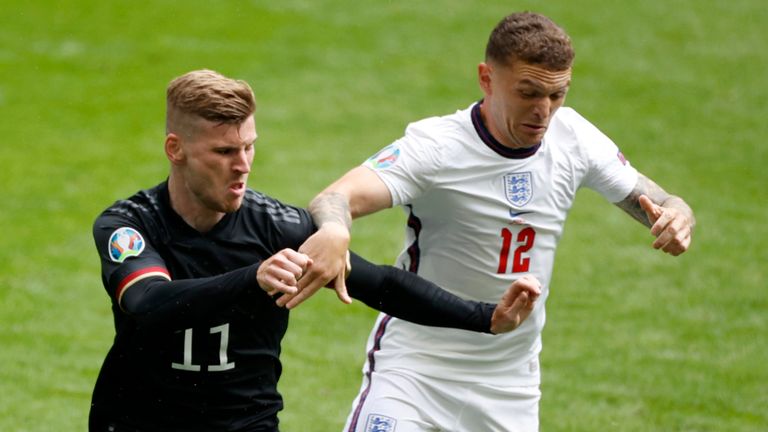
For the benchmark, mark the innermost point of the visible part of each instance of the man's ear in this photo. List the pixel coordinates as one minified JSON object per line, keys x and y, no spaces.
{"x":173,"y":149}
{"x":484,"y":78}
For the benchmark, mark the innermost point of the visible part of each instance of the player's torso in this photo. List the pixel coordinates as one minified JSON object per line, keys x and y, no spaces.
{"x":484,"y":220}
{"x":240,"y":239}
{"x":224,"y":365}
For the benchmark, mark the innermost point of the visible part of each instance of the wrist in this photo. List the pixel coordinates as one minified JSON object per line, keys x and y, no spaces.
{"x":336,"y":229}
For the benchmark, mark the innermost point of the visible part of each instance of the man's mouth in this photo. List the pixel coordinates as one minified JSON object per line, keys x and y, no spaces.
{"x":535,"y":128}
{"x":237,"y":187}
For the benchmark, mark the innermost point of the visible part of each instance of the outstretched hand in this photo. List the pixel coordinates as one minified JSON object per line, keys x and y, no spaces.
{"x":671,"y":227}
{"x":515,"y":305}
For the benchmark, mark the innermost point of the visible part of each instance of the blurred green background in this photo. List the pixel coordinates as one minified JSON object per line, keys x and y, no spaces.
{"x":636,"y":340}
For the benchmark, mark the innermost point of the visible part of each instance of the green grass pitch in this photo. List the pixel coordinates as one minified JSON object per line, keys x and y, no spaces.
{"x":635,"y":340}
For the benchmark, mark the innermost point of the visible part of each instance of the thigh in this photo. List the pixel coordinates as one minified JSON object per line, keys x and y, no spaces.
{"x":392,"y":402}
{"x":501,"y":409}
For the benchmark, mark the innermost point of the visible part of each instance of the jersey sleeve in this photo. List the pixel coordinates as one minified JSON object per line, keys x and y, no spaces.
{"x":138,"y":281}
{"x":127,"y":254}
{"x":407,"y":296}
{"x":608,"y":171}
{"x":409,"y":165}
{"x":158,"y":302}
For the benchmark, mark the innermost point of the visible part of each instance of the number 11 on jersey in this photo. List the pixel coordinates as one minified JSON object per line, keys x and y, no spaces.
{"x":523,"y":242}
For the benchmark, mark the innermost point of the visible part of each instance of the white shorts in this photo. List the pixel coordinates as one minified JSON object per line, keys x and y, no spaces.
{"x":399,"y":401}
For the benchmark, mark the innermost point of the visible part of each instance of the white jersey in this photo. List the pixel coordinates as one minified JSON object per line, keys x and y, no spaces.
{"x":481,"y":215}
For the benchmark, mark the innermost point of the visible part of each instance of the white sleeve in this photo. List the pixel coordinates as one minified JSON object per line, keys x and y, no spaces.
{"x":408,"y":166}
{"x":609,"y":172}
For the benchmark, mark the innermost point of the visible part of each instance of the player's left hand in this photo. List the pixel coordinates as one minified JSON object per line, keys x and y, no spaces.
{"x":327,"y":248}
{"x":671,"y":227}
{"x":515,"y":305}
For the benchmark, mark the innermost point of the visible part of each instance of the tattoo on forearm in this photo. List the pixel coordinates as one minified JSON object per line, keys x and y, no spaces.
{"x":649,"y":188}
{"x":331,"y":207}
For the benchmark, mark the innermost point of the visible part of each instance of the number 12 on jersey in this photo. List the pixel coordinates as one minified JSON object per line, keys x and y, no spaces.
{"x":522,"y":243}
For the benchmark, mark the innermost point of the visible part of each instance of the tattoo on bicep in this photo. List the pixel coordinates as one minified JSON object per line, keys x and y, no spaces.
{"x":647,"y":187}
{"x":330,"y":207}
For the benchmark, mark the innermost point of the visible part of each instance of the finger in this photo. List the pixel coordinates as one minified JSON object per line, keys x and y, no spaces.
{"x":663,"y":222}
{"x":282,"y":261}
{"x":673,"y":233}
{"x":285,"y":298}
{"x":302,"y":295}
{"x":533,"y":295}
{"x":341,"y":289}
{"x":519,"y":296}
{"x":530,"y":284}
{"x":283,"y":275}
{"x":511,"y":295}
{"x":652,"y":210}
{"x":272,"y":278}
{"x":678,"y":245}
{"x":275,"y":286}
{"x":521,"y":302}
{"x":297,"y":260}
{"x":684,"y":245}
{"x":529,"y":299}
{"x":310,"y":277}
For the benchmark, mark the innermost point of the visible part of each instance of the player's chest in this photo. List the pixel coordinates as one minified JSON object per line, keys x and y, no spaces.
{"x":536,"y":191}
{"x":209,"y":256}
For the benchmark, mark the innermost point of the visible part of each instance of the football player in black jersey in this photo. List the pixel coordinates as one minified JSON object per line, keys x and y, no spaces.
{"x":193,"y":267}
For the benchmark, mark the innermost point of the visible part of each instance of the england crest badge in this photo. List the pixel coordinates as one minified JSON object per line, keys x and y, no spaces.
{"x":518,"y":187}
{"x":380,"y":423}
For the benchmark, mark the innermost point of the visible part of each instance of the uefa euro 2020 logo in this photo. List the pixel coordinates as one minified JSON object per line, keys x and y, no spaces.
{"x":385,"y":158}
{"x":124,"y":243}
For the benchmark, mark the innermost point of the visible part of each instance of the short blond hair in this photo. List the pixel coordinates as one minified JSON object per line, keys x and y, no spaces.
{"x":209,"y":95}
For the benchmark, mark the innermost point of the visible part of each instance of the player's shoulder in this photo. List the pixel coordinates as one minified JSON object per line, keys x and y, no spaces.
{"x":143,"y":212}
{"x":578,"y":138}
{"x":570,"y":128}
{"x":439,"y":125}
{"x":144,"y":204}
{"x":260,"y":205}
{"x":446,"y":132}
{"x":570,"y":119}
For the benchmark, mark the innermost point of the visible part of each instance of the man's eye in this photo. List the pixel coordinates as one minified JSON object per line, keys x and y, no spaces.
{"x":222,"y":151}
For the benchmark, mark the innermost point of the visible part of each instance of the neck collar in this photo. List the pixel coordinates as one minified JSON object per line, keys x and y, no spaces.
{"x":493,"y":143}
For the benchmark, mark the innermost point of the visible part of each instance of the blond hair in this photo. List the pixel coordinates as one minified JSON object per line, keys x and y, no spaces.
{"x":209,"y":95}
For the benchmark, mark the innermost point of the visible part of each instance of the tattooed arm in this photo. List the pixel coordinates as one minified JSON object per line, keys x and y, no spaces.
{"x":357,"y":193}
{"x":670,"y":219}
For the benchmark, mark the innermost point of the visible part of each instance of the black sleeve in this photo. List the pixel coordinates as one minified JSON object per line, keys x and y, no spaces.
{"x":407,"y":296}
{"x":157,"y":301}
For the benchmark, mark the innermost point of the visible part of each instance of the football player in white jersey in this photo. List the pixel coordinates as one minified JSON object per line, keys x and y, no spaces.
{"x":486,"y":191}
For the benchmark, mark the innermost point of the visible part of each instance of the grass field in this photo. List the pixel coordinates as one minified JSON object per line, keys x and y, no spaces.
{"x":636,"y":340}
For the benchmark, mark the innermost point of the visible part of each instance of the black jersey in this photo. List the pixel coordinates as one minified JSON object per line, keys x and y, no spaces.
{"x":210,"y":369}
{"x":197,"y":340}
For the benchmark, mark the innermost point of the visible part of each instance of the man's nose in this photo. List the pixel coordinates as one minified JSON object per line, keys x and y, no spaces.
{"x":543,"y":107}
{"x":243,"y":162}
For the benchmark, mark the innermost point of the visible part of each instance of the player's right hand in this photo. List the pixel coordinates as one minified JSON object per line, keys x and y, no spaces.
{"x":516,"y":304}
{"x":281,"y":272}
